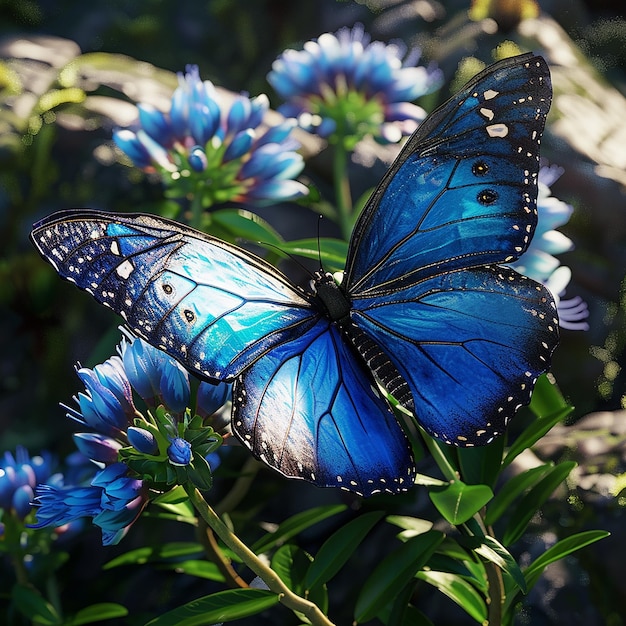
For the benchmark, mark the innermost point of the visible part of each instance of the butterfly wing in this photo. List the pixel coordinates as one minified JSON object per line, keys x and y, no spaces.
{"x":311,"y":410}
{"x":469,"y":345}
{"x":463,"y":191}
{"x":461,"y":341}
{"x":209,"y":304}
{"x":302,"y":401}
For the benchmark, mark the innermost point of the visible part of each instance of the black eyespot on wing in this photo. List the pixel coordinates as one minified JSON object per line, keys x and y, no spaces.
{"x":487,"y":196}
{"x":480,"y":168}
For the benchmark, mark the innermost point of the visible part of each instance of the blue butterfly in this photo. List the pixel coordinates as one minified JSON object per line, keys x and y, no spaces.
{"x":424,"y":309}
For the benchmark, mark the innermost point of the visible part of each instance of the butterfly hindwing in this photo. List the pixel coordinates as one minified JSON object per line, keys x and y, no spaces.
{"x":469,"y":345}
{"x":309,"y":409}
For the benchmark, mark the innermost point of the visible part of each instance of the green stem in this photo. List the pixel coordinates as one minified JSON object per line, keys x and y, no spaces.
{"x":268,"y":575}
{"x":495,"y":593}
{"x":443,"y":464}
{"x":196,"y":210}
{"x":343,"y":197}
{"x":474,"y":527}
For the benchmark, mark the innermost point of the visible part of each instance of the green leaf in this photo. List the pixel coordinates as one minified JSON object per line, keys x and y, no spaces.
{"x":534,"y":432}
{"x":459,"y":591}
{"x":467,"y":568}
{"x":400,"y":612}
{"x":458,"y":502}
{"x":177,"y":495}
{"x":176,"y":503}
{"x":493,"y":551}
{"x":455,"y":559}
{"x":559,"y":550}
{"x":393,"y":572}
{"x":332,"y":252}
{"x":197,"y":568}
{"x":480,"y":465}
{"x":296,"y":524}
{"x":31,"y":604}
{"x":512,"y":490}
{"x":412,"y":525}
{"x":150,"y":554}
{"x":291,"y":563}
{"x":547,"y":398}
{"x":97,"y":613}
{"x":533,"y":500}
{"x":242,"y":224}
{"x":339,"y":547}
{"x":224,"y":606}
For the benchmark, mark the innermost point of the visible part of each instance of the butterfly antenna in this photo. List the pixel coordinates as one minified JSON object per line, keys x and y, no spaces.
{"x":288,"y":255}
{"x":319,"y":247}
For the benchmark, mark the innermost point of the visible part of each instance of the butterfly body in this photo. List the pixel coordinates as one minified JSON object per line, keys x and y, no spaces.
{"x":425,"y":308}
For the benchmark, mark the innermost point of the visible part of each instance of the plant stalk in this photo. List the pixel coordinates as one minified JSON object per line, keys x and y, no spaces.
{"x":343,"y":197}
{"x":268,"y":575}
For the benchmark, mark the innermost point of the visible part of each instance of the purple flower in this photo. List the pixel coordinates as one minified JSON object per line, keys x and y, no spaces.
{"x":345,"y":85}
{"x":208,"y":146}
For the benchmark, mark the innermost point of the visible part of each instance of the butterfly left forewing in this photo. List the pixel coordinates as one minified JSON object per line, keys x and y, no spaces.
{"x":210,"y":305}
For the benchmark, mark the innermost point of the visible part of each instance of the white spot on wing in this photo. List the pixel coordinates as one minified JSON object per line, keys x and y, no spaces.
{"x":497,"y":130}
{"x":125,"y":269}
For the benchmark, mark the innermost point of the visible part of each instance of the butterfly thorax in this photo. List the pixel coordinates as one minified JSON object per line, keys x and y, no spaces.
{"x":333,"y":298}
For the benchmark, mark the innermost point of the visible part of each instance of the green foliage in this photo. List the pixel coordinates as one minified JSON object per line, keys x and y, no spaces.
{"x":224,"y":606}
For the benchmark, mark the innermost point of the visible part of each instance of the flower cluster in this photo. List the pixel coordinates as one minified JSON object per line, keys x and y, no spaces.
{"x":539,"y":262}
{"x":214,"y":151}
{"x":135,"y":452}
{"x":347,"y":86}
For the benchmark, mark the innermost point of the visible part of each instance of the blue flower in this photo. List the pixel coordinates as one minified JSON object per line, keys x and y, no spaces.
{"x":345,"y":85}
{"x":157,"y":377}
{"x":142,"y":440}
{"x":179,"y":451}
{"x":539,"y":262}
{"x":113,"y":500}
{"x":218,"y":150}
{"x":99,"y":448}
{"x":132,"y":451}
{"x":19,"y":475}
{"x":107,"y":404}
{"x":211,"y":397}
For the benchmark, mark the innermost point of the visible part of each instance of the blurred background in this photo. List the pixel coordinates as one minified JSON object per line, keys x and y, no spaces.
{"x":62,"y":93}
